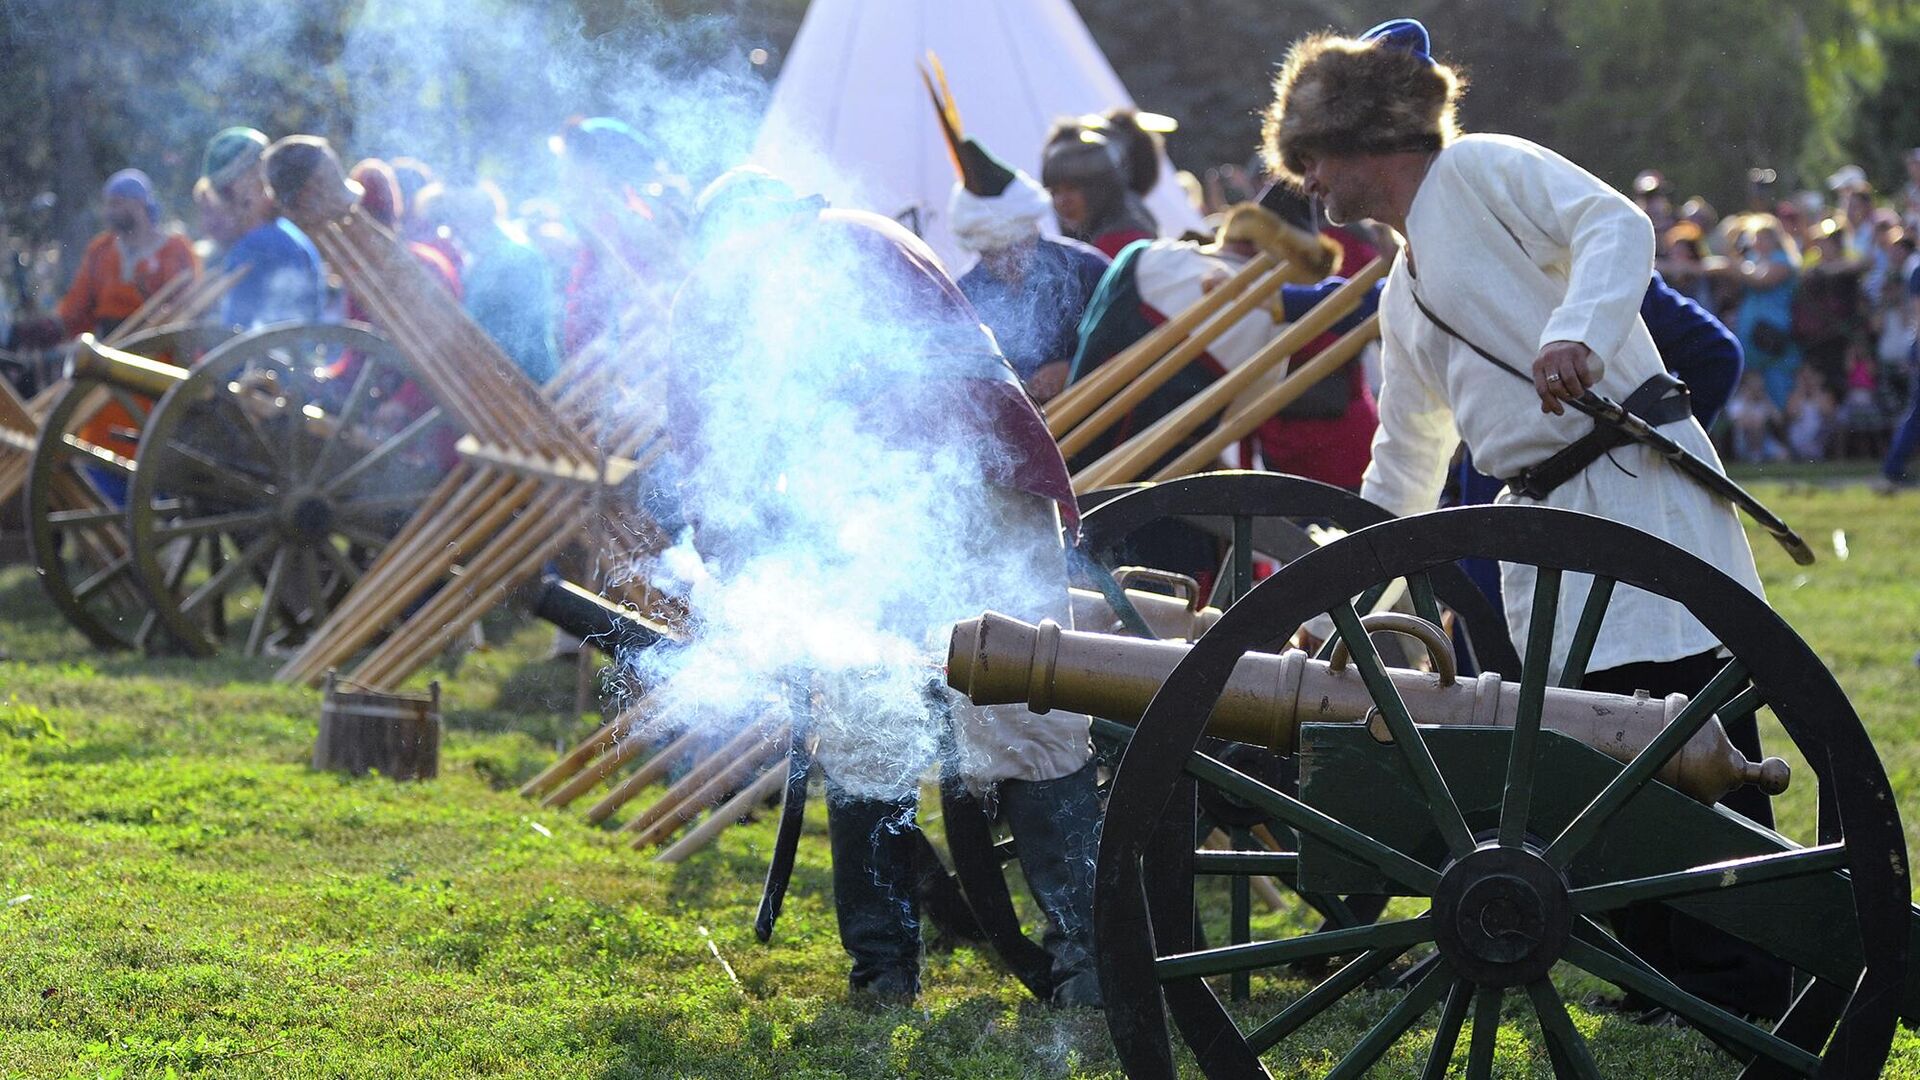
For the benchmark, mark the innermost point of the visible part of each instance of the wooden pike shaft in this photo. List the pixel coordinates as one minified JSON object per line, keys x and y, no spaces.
{"x":1076,"y":401}
{"x":710,"y":794}
{"x":647,"y":774}
{"x":741,"y":745}
{"x":394,"y":579}
{"x":735,"y":808}
{"x":437,"y":621}
{"x":592,"y":746}
{"x":1131,"y":459}
{"x":1243,"y":422}
{"x":515,"y":553}
{"x":1172,"y":363}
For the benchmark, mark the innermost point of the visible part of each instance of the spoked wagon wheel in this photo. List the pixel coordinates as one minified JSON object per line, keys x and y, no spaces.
{"x":1516,"y":840}
{"x":1254,"y":514}
{"x":275,"y":483}
{"x":76,"y":493}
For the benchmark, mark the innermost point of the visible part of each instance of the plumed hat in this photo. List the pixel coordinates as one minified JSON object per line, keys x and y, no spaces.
{"x":1379,"y":93}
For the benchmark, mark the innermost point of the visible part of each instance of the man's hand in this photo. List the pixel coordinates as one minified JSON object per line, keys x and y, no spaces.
{"x":1047,"y":381}
{"x":1562,"y":372}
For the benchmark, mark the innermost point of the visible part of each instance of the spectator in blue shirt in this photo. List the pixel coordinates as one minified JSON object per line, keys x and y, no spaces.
{"x":284,"y":281}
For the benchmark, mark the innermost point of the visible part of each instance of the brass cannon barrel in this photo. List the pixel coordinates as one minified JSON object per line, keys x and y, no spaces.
{"x":117,"y":367}
{"x":1166,"y":616}
{"x":998,"y":660}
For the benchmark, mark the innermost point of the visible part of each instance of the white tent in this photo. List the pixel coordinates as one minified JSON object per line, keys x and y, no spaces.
{"x":850,"y":118}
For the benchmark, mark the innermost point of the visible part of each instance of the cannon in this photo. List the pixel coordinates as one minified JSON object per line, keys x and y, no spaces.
{"x":1517,"y":837}
{"x":260,"y":489}
{"x":1247,"y":516}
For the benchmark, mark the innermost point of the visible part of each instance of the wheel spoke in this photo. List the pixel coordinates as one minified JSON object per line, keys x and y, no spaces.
{"x":228,"y":575}
{"x":1242,"y":555}
{"x":232,"y":522}
{"x":1596,"y":935}
{"x":385,"y":504}
{"x":1486,"y":1032}
{"x":349,"y":573}
{"x":396,"y":442}
{"x":1240,"y":915}
{"x":1558,"y":1028}
{"x":1582,"y":829}
{"x":1386,"y":698}
{"x":1694,"y":881}
{"x":80,"y":519}
{"x":1700,"y":1013}
{"x":1280,"y":864}
{"x":1586,"y":632}
{"x":95,"y":455}
{"x":1315,"y":1001}
{"x":276,"y":572}
{"x":1518,"y":799}
{"x":1447,"y":1034}
{"x":1397,"y":865}
{"x":357,"y":397}
{"x":1399,"y":933}
{"x":135,"y":408}
{"x":1425,"y":604}
{"x":1424,"y":995}
{"x":1367,"y":602}
{"x":229,"y":477}
{"x":112,"y":572}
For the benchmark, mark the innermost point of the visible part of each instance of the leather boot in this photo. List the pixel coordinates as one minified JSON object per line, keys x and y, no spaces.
{"x":1056,"y":831}
{"x":873,"y":901}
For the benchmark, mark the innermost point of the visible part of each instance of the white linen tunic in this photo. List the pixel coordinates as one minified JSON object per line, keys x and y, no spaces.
{"x":1514,"y":247}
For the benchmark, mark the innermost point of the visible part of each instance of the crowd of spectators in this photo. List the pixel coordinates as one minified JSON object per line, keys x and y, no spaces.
{"x":1822,"y":287}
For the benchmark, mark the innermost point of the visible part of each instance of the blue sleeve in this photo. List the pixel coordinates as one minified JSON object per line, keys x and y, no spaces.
{"x":1693,"y":345}
{"x":1297,"y":300}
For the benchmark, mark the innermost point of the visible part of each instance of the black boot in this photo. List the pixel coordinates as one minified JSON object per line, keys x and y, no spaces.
{"x":873,"y":878}
{"x":1056,"y":830}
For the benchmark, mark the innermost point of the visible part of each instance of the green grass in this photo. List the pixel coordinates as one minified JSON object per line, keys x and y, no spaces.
{"x":192,"y":900}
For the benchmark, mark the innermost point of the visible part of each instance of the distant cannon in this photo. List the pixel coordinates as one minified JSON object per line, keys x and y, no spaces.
{"x":260,"y":488}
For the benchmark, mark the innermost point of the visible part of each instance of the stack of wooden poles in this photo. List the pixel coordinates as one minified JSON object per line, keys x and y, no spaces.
{"x":1246,"y":397}
{"x":533,"y":470}
{"x":729,"y":771}
{"x":180,"y":302}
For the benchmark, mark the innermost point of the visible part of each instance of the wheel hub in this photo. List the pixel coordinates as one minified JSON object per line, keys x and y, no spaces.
{"x":306,"y":516}
{"x":1502,"y":916}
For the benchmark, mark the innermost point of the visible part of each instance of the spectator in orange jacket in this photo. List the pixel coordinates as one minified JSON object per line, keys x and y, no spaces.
{"x":127,"y":263}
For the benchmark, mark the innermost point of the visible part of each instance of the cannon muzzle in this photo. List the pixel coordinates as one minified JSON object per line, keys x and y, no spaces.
{"x":117,"y":367}
{"x":999,"y":660}
{"x":597,"y":621}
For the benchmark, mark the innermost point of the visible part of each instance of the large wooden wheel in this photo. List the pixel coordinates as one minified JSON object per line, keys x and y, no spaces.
{"x":76,"y":494}
{"x":1255,"y":515}
{"x":264,"y":486}
{"x":1512,"y":842}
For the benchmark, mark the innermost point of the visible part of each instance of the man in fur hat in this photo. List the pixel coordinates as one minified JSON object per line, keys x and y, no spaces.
{"x":1531,"y":258}
{"x":1029,"y":289}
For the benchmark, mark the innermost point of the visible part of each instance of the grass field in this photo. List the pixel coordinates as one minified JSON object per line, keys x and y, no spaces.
{"x":180,"y":895}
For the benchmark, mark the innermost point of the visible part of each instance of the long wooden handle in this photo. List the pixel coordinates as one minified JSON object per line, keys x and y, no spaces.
{"x":1128,"y":397}
{"x":1244,"y":421}
{"x":1076,"y":401}
{"x":1131,"y":459}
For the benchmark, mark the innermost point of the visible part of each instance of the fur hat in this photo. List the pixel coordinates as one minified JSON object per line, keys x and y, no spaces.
{"x":1380,"y":93}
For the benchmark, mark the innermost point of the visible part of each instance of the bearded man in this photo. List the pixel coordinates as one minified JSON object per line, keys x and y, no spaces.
{"x":1516,"y":251}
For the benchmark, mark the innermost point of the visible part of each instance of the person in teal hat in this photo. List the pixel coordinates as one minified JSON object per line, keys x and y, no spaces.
{"x":284,"y":281}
